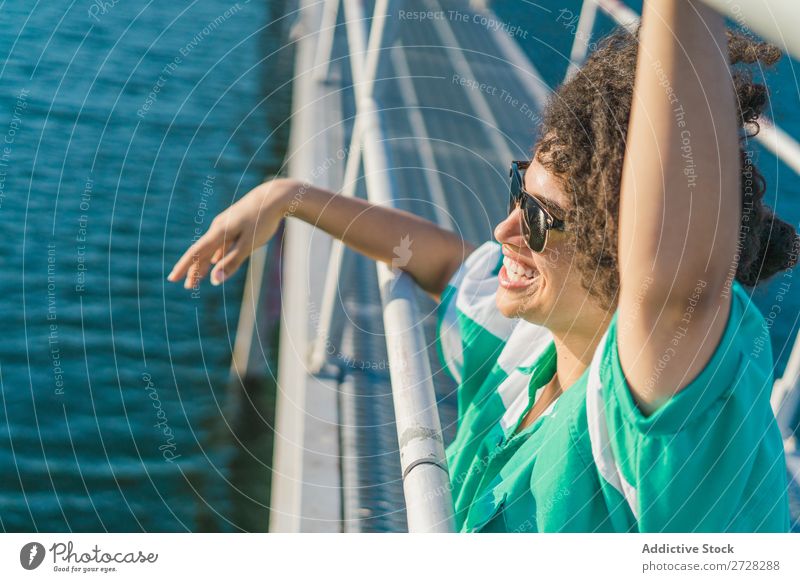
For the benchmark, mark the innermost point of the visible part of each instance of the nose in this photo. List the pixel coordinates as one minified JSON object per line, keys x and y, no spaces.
{"x":509,"y":230}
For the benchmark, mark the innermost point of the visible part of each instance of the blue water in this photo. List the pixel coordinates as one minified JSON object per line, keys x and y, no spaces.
{"x":126,"y":125}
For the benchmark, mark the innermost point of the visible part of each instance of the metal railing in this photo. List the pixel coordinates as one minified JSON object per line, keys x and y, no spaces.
{"x":426,"y":482}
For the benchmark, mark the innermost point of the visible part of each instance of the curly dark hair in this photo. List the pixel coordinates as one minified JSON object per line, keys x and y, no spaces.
{"x":582,"y":141}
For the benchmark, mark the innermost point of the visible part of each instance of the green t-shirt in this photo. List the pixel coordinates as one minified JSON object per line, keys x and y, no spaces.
{"x":709,"y":460}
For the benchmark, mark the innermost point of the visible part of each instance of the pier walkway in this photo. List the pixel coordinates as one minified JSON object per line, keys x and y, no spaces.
{"x":420,"y":104}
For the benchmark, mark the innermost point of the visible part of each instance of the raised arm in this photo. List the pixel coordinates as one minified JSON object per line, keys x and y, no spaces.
{"x":680,"y":200}
{"x":428,"y":253}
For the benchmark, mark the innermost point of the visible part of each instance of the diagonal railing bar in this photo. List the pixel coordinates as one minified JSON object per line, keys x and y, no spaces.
{"x":426,"y":482}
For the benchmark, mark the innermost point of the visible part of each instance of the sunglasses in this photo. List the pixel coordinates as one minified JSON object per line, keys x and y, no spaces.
{"x":536,"y":220}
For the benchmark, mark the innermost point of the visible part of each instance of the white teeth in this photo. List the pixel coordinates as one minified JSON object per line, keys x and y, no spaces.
{"x":517,"y":271}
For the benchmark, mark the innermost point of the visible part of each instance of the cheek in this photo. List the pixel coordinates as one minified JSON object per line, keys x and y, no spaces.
{"x":560,"y":270}
{"x":553,"y":257}
{"x":556,"y":264}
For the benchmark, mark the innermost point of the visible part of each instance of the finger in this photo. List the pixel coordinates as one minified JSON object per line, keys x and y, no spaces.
{"x":203,"y":248}
{"x":231,"y":262}
{"x":193,"y":254}
{"x":227,"y":245}
{"x":202,"y":264}
{"x":198,"y":271}
{"x":192,"y":273}
{"x":218,"y":254}
{"x":223,"y":249}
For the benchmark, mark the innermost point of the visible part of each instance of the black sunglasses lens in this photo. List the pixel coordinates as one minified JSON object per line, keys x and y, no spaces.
{"x":536,"y":223}
{"x":534,"y":220}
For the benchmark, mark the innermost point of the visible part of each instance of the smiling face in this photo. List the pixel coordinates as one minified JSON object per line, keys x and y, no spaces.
{"x":543,"y":288}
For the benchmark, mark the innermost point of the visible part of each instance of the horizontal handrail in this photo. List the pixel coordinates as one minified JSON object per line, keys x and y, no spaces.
{"x":426,"y":482}
{"x":775,"y":20}
{"x":768,"y":18}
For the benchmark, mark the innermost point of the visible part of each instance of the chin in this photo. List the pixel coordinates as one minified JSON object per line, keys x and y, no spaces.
{"x":517,"y":308}
{"x":508,"y":308}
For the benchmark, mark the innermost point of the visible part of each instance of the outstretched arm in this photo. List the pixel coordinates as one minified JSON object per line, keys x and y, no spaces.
{"x":429,"y":254}
{"x":680,"y":200}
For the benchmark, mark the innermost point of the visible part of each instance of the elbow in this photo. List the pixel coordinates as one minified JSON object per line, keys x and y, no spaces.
{"x":437,"y":282}
{"x":448,"y":268}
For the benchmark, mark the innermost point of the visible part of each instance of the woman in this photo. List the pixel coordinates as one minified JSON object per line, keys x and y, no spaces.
{"x":604,"y":349}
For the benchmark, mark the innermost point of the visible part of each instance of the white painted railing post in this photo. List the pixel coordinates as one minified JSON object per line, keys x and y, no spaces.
{"x":583,"y":36}
{"x":327,"y":34}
